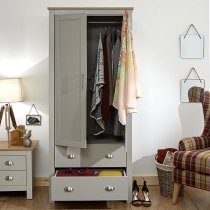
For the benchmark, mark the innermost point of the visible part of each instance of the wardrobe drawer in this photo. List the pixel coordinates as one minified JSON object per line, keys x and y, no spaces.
{"x":67,"y":157}
{"x":12,"y":162}
{"x":8,"y":178}
{"x":103,"y":155}
{"x":89,"y":188}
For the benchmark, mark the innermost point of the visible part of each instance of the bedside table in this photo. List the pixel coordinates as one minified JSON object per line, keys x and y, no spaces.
{"x":16,"y":168}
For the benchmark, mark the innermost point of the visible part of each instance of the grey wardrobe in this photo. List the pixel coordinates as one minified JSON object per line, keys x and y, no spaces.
{"x":73,"y":49}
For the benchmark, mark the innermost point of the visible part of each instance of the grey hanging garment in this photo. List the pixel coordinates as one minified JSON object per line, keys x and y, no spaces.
{"x":115,"y":59}
{"x":95,"y":111}
{"x":109,"y":59}
{"x":118,"y":128}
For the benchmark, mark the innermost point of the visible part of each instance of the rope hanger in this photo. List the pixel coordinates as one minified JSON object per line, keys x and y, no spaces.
{"x":33,"y":106}
{"x":192,"y":69}
{"x":189,"y":30}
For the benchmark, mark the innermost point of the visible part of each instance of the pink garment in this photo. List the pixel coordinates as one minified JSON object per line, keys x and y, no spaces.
{"x":127,"y":88}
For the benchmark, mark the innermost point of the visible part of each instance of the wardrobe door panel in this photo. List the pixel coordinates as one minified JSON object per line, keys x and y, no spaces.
{"x":70,"y":80}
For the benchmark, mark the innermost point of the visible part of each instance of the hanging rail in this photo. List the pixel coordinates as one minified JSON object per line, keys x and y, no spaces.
{"x":103,"y":22}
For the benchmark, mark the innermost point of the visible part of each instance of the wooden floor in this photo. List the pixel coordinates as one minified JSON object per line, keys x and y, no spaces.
{"x":193,"y":199}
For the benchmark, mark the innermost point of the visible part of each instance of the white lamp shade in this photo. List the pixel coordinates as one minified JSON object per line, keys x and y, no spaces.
{"x":10,"y":90}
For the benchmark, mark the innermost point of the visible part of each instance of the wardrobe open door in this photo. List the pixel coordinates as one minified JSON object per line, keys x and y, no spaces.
{"x":70,"y":80}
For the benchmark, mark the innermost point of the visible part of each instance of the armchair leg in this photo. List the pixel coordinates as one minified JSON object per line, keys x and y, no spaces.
{"x":175,"y":193}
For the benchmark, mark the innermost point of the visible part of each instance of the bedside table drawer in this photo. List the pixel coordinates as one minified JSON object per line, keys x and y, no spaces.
{"x":12,"y":162}
{"x":8,"y":178}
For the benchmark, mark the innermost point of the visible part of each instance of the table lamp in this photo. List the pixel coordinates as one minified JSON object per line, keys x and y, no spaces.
{"x":10,"y":91}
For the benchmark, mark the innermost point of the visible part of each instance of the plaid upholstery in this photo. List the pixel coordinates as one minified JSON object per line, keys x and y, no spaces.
{"x":195,"y":160}
{"x":193,"y":179}
{"x":192,"y":161}
{"x":193,"y":143}
{"x":195,"y":94}
{"x":203,"y":141}
{"x":206,"y":112}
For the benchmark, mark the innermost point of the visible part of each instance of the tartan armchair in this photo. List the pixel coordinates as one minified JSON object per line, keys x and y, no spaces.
{"x":192,"y":161}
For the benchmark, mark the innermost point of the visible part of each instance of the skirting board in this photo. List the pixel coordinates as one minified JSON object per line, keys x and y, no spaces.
{"x":41,"y":181}
{"x":151,"y":180}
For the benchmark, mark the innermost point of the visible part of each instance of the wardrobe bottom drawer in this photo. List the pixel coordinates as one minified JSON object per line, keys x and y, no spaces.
{"x":89,"y":188}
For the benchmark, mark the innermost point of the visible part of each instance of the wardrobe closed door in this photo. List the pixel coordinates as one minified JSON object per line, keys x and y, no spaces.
{"x":70,"y":80}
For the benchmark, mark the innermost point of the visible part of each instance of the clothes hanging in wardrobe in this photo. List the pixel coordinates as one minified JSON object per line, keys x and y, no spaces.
{"x":127,"y":88}
{"x":109,"y":61}
{"x":97,"y":91}
{"x":106,"y":87}
{"x":107,"y":115}
{"x":115,"y":59}
{"x":118,"y":128}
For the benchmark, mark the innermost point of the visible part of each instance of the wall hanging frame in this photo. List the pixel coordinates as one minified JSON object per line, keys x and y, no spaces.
{"x":186,"y":84}
{"x":192,"y":45}
{"x":33,"y":119}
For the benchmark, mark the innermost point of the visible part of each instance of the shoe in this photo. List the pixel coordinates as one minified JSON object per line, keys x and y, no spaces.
{"x":135,"y":190}
{"x":145,"y":191}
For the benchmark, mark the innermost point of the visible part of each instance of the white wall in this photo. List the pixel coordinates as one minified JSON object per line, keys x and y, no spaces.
{"x":157,"y":25}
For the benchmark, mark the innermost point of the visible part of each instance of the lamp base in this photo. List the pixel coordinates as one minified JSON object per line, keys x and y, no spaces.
{"x":8,"y":114}
{"x":8,"y":139}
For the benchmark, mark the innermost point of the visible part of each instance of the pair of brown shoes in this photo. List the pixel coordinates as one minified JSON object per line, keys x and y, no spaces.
{"x":136,"y":201}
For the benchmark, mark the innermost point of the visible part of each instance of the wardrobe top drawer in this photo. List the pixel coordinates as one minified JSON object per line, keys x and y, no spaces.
{"x":12,"y":162}
{"x":103,"y":155}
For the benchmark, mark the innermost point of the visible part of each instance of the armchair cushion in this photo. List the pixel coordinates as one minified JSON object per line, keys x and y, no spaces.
{"x":195,"y":160}
{"x":193,"y":179}
{"x":193,"y":143}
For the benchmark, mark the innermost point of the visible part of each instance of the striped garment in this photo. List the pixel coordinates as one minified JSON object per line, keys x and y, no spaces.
{"x":95,"y":111}
{"x":192,"y":161}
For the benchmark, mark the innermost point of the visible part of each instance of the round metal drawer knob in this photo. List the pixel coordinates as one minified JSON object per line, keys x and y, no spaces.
{"x":71,"y":156}
{"x":9,"y":163}
{"x":9,"y":178}
{"x":109,"y":156}
{"x":110,"y":188}
{"x":68,"y":189}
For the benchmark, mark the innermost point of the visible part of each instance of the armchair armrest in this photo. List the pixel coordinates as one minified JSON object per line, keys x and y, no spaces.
{"x":193,"y":143}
